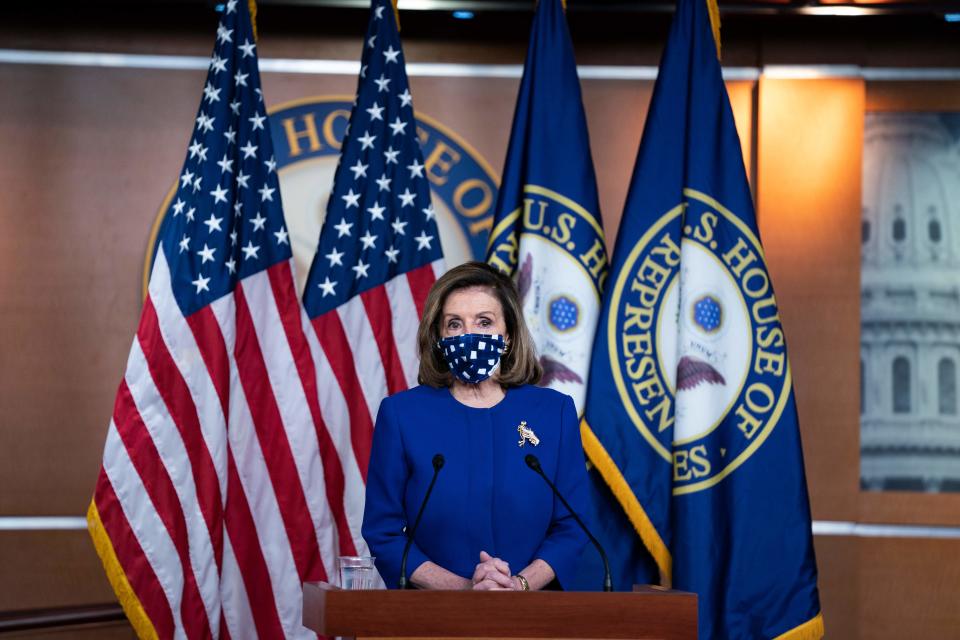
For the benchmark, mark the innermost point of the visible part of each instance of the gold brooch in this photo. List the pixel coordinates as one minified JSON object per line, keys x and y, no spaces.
{"x":527,"y":434}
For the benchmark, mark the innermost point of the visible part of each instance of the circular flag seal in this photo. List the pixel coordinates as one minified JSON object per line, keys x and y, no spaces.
{"x":556,"y":248}
{"x":307,"y":135}
{"x":695,"y":343}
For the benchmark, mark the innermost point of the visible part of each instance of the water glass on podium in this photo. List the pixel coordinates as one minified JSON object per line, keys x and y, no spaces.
{"x":357,"y":572}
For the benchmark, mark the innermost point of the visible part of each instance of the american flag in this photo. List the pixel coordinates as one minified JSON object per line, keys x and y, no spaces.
{"x":379,"y":253}
{"x":220,"y":483}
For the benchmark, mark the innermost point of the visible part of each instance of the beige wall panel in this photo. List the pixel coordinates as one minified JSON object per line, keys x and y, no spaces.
{"x":87,"y":157}
{"x":909,"y":588}
{"x":112,"y":631}
{"x":913,"y":96}
{"x":832,"y":44}
{"x":616,"y":111}
{"x":50,"y":569}
{"x":809,"y":155}
{"x":889,"y":588}
{"x":839,"y":577}
{"x":910,"y":508}
{"x":742,"y":99}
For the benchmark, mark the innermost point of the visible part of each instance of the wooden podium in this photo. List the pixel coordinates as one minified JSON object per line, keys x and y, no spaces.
{"x":647,"y":613}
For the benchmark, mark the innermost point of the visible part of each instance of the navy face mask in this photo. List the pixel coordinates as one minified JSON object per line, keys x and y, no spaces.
{"x":472,"y":357}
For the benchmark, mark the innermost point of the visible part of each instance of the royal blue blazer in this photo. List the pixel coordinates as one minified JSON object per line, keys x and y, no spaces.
{"x":486,"y":497}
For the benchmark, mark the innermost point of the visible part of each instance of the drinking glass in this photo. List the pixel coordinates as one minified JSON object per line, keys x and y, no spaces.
{"x":357,"y":572}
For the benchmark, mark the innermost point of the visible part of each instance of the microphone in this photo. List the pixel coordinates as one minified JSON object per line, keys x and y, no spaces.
{"x":534,"y":464}
{"x":438,"y":461}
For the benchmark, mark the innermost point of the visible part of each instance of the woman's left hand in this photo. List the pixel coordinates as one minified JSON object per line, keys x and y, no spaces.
{"x":493,"y":574}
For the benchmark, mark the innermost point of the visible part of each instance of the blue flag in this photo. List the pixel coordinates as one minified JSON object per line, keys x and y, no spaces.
{"x":547,"y":230}
{"x":690,"y":412}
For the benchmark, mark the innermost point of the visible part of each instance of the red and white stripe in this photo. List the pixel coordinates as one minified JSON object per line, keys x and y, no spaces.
{"x":229,"y":475}
{"x":365,"y":350}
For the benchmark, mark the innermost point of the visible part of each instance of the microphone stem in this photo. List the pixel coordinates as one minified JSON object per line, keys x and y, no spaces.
{"x":607,"y":580}
{"x":402,"y":583}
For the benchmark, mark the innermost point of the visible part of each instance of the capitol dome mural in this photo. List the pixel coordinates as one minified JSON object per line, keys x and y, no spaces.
{"x":910,"y":303}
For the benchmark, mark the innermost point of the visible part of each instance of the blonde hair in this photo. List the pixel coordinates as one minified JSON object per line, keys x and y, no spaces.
{"x":518,"y":365}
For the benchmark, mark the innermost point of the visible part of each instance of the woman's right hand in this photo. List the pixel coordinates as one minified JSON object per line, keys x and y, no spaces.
{"x":492,"y":574}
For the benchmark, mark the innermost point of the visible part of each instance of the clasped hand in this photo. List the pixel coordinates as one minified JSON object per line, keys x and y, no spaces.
{"x":493,"y":574}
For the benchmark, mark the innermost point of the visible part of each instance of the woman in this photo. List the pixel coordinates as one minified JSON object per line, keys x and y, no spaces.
{"x":491,"y":522}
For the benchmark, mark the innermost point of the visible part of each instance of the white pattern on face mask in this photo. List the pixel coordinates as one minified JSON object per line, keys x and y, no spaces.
{"x":472,"y":357}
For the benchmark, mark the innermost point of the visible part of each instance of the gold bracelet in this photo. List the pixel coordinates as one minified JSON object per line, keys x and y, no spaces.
{"x":524,"y":585}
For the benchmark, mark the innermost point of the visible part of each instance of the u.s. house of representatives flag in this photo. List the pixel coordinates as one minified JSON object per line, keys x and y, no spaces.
{"x":220,"y":490}
{"x":379,"y":252}
{"x":547,"y":230}
{"x":690,"y":412}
